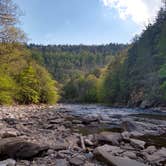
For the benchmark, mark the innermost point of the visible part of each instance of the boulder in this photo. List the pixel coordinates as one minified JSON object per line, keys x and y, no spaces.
{"x":18,"y":148}
{"x":104,"y":154}
{"x":110,"y":137}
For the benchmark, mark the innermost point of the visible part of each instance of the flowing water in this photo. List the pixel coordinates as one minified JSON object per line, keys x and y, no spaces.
{"x":151,"y":123}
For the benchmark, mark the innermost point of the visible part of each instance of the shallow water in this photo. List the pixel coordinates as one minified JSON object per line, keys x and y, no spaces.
{"x":104,"y":111}
{"x":153,"y":123}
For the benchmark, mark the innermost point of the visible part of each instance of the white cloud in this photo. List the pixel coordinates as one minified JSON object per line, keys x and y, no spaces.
{"x":140,"y":11}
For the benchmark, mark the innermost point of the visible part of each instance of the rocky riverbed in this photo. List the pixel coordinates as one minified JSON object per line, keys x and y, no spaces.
{"x":81,"y":135}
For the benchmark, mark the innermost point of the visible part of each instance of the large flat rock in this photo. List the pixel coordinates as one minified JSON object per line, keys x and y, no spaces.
{"x":104,"y":153}
{"x":19,"y":149}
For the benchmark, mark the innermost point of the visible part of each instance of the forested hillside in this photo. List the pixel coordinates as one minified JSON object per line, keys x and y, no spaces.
{"x":22,"y":80}
{"x":137,"y":77}
{"x":67,"y":62}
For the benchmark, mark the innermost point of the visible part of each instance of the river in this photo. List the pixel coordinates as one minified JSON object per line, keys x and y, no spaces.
{"x":152,"y":124}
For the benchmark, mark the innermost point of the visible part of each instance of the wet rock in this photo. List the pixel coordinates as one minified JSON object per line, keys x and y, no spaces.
{"x":61,"y":162}
{"x":110,"y":137}
{"x":78,"y":160}
{"x":8,"y":162}
{"x":137,"y":143}
{"x":19,"y":149}
{"x":89,"y":119}
{"x":103,"y":153}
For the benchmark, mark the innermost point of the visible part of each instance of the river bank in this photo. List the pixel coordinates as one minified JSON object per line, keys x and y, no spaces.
{"x":87,"y":135}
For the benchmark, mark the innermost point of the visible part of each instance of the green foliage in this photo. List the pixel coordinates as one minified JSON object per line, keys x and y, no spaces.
{"x":47,"y":86}
{"x":7,"y":89}
{"x":24,"y":81}
{"x":36,"y":86}
{"x":21,"y":78}
{"x":112,"y":84}
{"x":68,"y":62}
{"x":29,"y":84}
{"x":82,"y":89}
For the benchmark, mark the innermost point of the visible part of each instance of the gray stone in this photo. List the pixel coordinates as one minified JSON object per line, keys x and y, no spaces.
{"x":78,"y":160}
{"x":107,"y":157}
{"x":150,"y":149}
{"x":60,"y":146}
{"x":113,"y":150}
{"x":129,"y":125}
{"x":130,"y":155}
{"x":157,"y":157}
{"x":8,"y":132}
{"x":137,"y":143}
{"x":89,"y":119}
{"x":126,"y":135}
{"x":18,"y":148}
{"x":8,"y":162}
{"x":61,"y":162}
{"x":76,"y":121}
{"x":88,"y":142}
{"x":110,"y":137}
{"x":136,"y":134}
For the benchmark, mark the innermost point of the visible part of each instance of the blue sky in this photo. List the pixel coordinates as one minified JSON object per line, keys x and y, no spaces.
{"x":81,"y":21}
